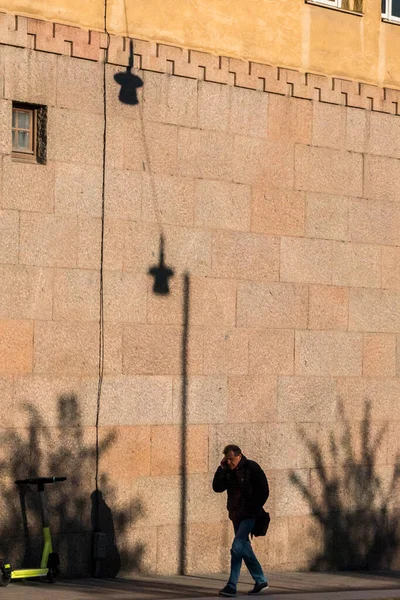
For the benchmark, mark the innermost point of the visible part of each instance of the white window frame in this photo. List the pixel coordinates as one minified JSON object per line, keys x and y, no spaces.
{"x":387,"y":16}
{"x":332,"y":3}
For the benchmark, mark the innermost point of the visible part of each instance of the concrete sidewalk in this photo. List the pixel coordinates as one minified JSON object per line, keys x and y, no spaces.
{"x":283,"y":586}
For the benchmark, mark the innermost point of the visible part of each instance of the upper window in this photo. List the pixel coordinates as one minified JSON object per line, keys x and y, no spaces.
{"x":391,"y":10}
{"x":29,"y":132}
{"x":355,"y":6}
{"x":336,"y":3}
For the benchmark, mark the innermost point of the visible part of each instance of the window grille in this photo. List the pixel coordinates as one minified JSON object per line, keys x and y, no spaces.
{"x":28,"y":130}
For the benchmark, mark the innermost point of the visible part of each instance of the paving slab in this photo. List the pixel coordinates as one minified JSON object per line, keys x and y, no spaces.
{"x":283,"y":586}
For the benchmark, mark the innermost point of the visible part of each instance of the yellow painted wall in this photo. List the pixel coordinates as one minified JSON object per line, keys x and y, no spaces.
{"x":287,"y":33}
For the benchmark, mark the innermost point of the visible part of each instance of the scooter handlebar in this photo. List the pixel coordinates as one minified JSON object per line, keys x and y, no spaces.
{"x":39,"y":480}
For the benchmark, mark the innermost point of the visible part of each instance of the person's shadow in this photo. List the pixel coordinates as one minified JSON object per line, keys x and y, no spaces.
{"x":128,"y":81}
{"x":103,"y":523}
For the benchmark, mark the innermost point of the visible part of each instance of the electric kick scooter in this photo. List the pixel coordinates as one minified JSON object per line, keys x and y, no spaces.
{"x":50,"y":560}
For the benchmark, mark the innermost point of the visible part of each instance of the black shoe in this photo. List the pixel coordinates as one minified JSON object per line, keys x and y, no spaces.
{"x":259,"y":587}
{"x":228,"y":590}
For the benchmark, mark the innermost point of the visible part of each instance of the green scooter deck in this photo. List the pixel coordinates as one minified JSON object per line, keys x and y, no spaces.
{"x":25,"y":573}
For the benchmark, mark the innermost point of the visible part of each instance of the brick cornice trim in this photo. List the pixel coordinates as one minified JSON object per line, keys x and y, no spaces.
{"x":44,"y":36}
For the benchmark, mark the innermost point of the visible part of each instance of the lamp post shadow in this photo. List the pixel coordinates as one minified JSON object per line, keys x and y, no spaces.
{"x":128,"y":81}
{"x":162,"y":273}
{"x":184,"y":399}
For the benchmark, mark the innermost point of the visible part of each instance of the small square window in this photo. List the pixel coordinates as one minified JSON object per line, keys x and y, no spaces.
{"x":391,"y":10}
{"x":23,"y":130}
{"x":29,"y":123}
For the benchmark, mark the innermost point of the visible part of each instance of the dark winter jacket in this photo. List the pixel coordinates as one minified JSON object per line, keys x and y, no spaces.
{"x":247,"y":488}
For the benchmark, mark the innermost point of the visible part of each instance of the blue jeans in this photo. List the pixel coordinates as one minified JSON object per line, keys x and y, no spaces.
{"x":242,"y":550}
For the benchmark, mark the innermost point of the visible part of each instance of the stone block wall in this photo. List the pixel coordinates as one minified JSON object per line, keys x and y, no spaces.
{"x":277,"y":195}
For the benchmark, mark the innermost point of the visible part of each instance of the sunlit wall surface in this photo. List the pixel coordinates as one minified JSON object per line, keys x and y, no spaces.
{"x":289,"y":33}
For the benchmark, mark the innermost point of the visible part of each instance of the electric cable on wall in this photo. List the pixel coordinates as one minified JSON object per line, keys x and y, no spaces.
{"x":101,"y":274}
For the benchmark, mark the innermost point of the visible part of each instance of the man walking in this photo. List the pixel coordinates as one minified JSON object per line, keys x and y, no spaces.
{"x":247,"y":488}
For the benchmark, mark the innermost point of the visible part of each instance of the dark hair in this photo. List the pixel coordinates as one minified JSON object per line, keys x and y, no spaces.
{"x":232,"y":448}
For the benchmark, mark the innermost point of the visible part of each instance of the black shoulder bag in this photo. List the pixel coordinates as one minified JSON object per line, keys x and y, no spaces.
{"x":261,"y":525}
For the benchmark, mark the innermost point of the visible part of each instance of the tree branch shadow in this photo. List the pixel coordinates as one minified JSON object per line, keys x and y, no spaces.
{"x":351,"y":501}
{"x":64,"y":450}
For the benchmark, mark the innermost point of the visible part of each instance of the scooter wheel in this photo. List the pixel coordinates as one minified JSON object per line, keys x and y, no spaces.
{"x":52,"y":574}
{"x":4,"y":579}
